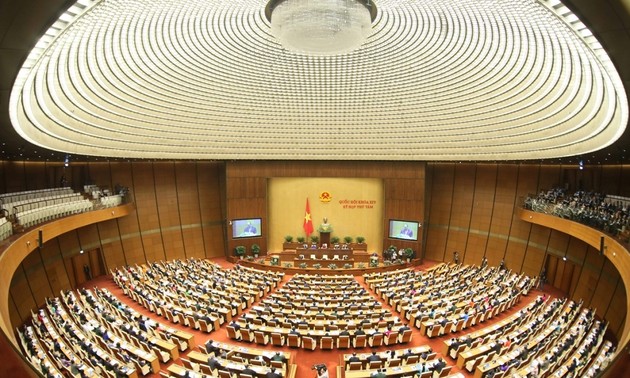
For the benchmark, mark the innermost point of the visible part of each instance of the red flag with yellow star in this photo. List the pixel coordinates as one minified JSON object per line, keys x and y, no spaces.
{"x":308,"y":221}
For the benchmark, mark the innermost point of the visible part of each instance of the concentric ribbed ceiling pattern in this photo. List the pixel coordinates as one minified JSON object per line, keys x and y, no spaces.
{"x":437,"y":80}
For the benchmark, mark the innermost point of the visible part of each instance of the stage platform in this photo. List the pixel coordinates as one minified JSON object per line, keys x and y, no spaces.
{"x":324,"y":270}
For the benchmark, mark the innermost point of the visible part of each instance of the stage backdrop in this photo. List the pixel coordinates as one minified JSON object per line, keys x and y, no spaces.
{"x":353,"y":206}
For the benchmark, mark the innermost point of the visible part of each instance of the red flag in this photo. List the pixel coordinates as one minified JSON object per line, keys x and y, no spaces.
{"x":308,"y":222}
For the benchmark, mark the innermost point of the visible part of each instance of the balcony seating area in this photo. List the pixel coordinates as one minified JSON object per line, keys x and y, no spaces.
{"x":6,"y":228}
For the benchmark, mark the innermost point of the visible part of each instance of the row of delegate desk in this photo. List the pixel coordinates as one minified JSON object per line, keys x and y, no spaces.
{"x":231,"y":365}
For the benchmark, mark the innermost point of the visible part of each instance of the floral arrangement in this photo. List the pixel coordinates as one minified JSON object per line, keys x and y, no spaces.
{"x":332,"y":266}
{"x":347,"y":266}
{"x":361,"y":266}
{"x":317,"y":266}
{"x":303,"y":265}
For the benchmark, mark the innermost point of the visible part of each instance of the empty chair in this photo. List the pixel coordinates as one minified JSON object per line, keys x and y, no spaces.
{"x":354,"y":366}
{"x":308,"y":343}
{"x":191,"y":321}
{"x":191,"y":365}
{"x":225,"y":374}
{"x":261,"y":338}
{"x":144,"y":369}
{"x":376,"y":340}
{"x":391,"y":339}
{"x":405,"y":336}
{"x":182,"y":345}
{"x":277,"y":339}
{"x":277,"y":364}
{"x":471,"y":365}
{"x":293,"y":341}
{"x":394,"y":362}
{"x":326,"y":342}
{"x":163,"y":356}
{"x":204,"y":326}
{"x":343,"y":342}
{"x":375,"y":364}
{"x":412,"y":360}
{"x":360,"y":341}
{"x":247,"y":335}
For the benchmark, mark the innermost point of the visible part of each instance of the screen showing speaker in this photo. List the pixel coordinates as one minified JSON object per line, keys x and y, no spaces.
{"x":403,"y":229}
{"x":246,"y":228}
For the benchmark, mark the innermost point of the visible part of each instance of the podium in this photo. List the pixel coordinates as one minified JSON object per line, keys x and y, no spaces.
{"x":324,"y":237}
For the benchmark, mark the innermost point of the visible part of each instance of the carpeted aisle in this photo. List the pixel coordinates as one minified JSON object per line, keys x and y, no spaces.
{"x":303,"y":358}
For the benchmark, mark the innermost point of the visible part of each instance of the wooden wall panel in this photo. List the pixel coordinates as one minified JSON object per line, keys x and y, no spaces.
{"x":15,"y":176}
{"x":147,"y":212}
{"x":37,"y":277}
{"x":589,"y":276}
{"x":439,"y":210}
{"x":482,"y":210}
{"x":577,"y":254}
{"x":436,"y":244}
{"x":212,"y":211}
{"x":133,"y":247}
{"x":616,"y":312}
{"x":14,"y":314}
{"x":605,"y":287}
{"x":549,"y":176}
{"x":461,"y":210}
{"x":153,"y":246}
{"x":22,"y":295}
{"x":188,"y":200}
{"x":112,"y":247}
{"x":168,"y":210}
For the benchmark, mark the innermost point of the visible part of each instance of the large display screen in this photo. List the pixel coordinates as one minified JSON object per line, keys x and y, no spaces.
{"x":403,"y":229}
{"x":246,"y":228}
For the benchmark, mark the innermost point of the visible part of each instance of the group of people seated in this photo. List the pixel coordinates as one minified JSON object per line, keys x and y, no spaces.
{"x":102,"y":335}
{"x":591,"y":208}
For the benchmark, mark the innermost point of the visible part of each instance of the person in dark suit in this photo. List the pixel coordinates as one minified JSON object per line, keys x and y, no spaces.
{"x":373,"y":357}
{"x":439,"y":365}
{"x":380,"y":373}
{"x":354,"y":358}
{"x":273,"y":374}
{"x":214,"y":363}
{"x":404,"y":328}
{"x":279,"y":357}
{"x":249,"y":371}
{"x":211,"y":348}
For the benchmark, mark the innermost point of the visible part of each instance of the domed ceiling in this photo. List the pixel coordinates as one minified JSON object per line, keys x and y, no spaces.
{"x":436,"y":80}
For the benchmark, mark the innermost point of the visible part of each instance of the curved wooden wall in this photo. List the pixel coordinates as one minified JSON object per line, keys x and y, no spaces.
{"x":614,"y":251}
{"x":22,"y":245}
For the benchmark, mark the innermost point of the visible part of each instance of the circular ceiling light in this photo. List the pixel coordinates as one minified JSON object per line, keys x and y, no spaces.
{"x":321,"y":27}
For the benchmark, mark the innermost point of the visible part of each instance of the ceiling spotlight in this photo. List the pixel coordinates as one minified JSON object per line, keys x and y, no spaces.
{"x":81,"y":251}
{"x":564,"y":258}
{"x":66,"y":161}
{"x":581,"y":165}
{"x":321,"y":27}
